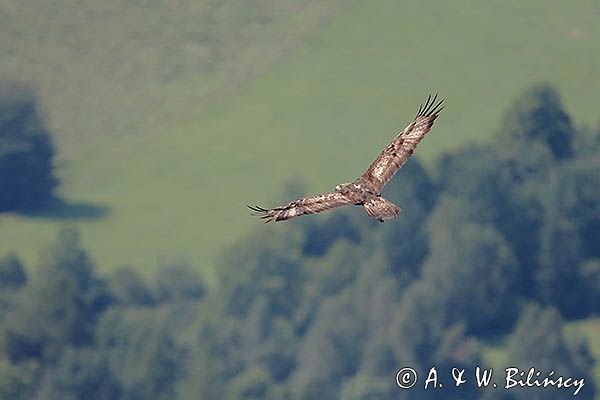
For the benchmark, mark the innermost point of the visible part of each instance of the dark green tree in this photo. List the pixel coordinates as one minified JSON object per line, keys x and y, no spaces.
{"x":253,"y":384}
{"x":422,"y":335}
{"x":320,"y":234}
{"x":538,"y":340}
{"x":12,"y":279}
{"x":330,"y":351}
{"x":574,"y":195}
{"x":12,"y":272}
{"x":266,"y":265}
{"x":538,"y":116}
{"x":18,"y":381}
{"x":590,"y":271}
{"x":59,"y":307}
{"x":472,"y":268}
{"x":498,"y":196}
{"x":336,"y":269}
{"x":405,"y":241}
{"x":128,"y":288}
{"x":178,"y":281}
{"x":142,"y":351}
{"x":569,"y":236}
{"x":364,"y":387}
{"x":26,"y":152}
{"x":217,"y":355}
{"x":268,"y":341}
{"x":80,"y":374}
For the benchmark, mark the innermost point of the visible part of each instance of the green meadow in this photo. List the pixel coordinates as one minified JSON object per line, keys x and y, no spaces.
{"x":168,"y":122}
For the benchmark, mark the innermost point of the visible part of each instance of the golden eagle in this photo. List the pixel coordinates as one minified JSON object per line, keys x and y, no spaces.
{"x":366,"y":190}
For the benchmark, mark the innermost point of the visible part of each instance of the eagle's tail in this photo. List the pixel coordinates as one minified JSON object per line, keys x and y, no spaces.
{"x":381,"y":209}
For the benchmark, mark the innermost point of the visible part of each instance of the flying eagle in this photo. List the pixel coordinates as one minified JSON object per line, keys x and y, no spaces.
{"x":366,"y":190}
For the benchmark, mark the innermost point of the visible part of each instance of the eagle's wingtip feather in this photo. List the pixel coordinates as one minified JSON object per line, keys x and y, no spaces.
{"x":430,"y":106}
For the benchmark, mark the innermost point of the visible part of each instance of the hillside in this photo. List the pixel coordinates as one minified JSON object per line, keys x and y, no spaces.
{"x":172,"y":141}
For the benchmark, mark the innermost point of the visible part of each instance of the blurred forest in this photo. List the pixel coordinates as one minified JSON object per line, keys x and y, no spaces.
{"x":495,"y":261}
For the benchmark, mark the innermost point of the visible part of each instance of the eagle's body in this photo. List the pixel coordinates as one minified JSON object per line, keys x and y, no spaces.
{"x":366,"y":190}
{"x":363,"y":193}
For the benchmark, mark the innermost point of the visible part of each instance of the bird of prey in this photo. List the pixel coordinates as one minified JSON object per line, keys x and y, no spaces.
{"x":366,"y":190}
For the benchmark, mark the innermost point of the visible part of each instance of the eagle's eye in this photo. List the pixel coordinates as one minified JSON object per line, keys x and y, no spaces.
{"x":338,"y":188}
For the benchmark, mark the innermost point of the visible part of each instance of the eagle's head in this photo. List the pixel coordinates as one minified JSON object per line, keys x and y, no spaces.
{"x":339,"y":187}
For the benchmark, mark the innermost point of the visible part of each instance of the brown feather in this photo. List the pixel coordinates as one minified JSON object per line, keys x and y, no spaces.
{"x":381,"y":209}
{"x":306,"y":205}
{"x":397,"y":152}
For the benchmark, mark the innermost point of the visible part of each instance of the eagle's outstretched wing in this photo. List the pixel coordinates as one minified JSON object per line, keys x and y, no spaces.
{"x":397,"y":152}
{"x":306,"y":205}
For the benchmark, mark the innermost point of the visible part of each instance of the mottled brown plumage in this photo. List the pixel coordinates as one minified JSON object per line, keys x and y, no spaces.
{"x":366,"y":190}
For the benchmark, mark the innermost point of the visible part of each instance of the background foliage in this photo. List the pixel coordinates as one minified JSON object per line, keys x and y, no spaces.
{"x":488,"y":266}
{"x":158,"y":120}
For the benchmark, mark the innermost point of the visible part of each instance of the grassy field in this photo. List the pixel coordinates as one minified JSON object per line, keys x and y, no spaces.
{"x":170,"y":121}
